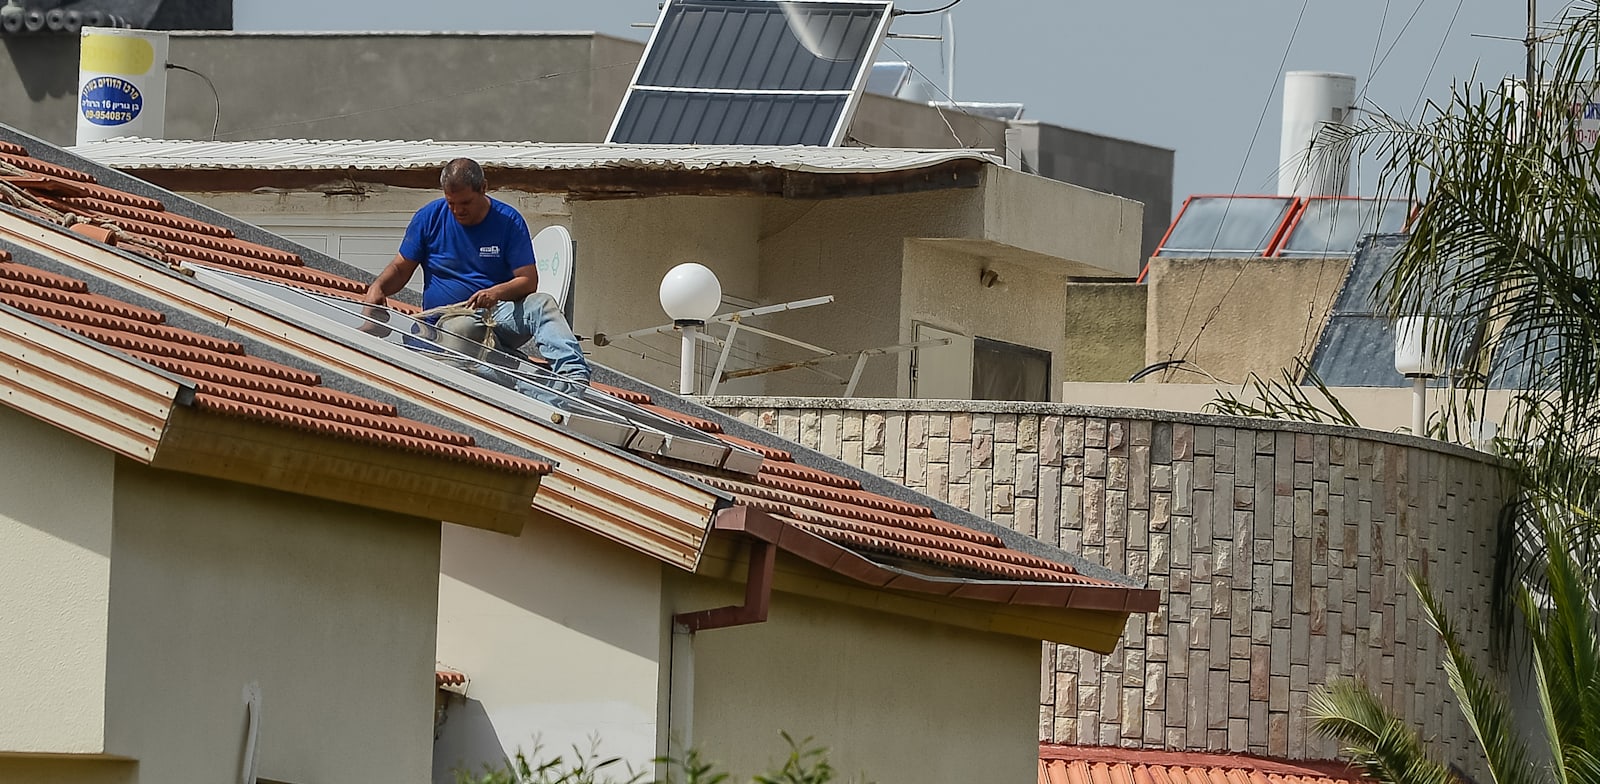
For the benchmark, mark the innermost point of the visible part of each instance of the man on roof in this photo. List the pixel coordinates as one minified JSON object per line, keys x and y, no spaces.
{"x":475,"y":252}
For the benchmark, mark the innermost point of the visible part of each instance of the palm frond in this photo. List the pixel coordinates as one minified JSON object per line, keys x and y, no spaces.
{"x":1484,"y":706}
{"x":1372,"y":736}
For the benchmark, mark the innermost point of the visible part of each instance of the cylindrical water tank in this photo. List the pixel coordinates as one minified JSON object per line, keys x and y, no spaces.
{"x":1311,"y":101}
{"x":122,"y":84}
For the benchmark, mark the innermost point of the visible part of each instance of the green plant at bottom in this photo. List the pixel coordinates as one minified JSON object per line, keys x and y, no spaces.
{"x":806,"y":764}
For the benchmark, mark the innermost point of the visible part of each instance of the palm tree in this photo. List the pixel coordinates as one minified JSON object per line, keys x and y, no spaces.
{"x":1504,"y":255}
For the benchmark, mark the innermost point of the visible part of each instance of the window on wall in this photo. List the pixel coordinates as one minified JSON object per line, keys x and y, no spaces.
{"x":1007,"y":371}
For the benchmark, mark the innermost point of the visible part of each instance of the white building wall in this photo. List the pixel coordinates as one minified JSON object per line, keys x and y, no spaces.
{"x":327,"y":609}
{"x":892,"y":698}
{"x":560,"y":632}
{"x":55,"y":577}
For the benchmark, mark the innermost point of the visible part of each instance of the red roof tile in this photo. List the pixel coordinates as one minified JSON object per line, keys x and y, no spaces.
{"x":230,"y":382}
{"x":837,"y":510}
{"x":1108,"y":765}
{"x":142,"y":225}
{"x":443,"y":678}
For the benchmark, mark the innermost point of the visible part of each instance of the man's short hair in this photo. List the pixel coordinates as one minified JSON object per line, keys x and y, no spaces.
{"x":462,"y":173}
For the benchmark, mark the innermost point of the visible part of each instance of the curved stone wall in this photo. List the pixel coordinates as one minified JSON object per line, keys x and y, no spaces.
{"x":1282,"y":550}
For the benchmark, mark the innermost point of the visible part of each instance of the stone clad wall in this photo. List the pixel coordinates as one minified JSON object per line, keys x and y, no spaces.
{"x":1282,"y":551}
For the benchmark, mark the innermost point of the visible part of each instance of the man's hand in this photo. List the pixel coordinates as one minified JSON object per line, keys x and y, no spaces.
{"x":379,"y":316}
{"x":484,"y":298}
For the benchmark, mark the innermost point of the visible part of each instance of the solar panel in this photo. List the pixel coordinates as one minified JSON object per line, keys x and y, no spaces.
{"x":504,"y":379}
{"x":1226,"y":226}
{"x":752,"y":72}
{"x":1333,"y":226}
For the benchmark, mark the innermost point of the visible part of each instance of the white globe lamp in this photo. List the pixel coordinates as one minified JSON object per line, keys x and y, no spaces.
{"x":690,"y":294}
{"x":1414,"y":358}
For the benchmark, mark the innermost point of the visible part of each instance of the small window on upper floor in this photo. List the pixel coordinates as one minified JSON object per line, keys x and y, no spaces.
{"x":1008,"y":371}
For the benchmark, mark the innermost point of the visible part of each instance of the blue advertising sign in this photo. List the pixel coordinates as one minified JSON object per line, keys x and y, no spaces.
{"x":107,"y":100}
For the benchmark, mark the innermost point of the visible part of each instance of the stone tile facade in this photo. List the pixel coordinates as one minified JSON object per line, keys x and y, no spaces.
{"x":1283,"y":551}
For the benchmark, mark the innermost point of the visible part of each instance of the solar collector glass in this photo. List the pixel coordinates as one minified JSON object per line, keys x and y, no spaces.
{"x":744,"y":45}
{"x":751,"y":72}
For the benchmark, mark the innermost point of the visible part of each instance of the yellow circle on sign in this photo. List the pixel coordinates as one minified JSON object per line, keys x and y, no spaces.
{"x":116,"y":54}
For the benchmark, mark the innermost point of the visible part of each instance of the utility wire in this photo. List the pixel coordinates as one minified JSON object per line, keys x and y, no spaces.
{"x":1421,"y":91}
{"x":1266,"y":105}
{"x":947,"y":99}
{"x":940,"y":9}
{"x":216,"y":103}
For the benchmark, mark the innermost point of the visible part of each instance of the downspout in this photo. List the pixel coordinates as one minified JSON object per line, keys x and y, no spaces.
{"x":680,"y":698}
{"x":757,"y":597}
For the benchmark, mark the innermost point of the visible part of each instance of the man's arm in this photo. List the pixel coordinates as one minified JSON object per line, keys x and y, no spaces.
{"x":389,"y":282}
{"x":393,"y":278}
{"x":524,"y":281}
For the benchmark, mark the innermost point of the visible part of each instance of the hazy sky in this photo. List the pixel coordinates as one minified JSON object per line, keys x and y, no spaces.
{"x":1191,"y":75}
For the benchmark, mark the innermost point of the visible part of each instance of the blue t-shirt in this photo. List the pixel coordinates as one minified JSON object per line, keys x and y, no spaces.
{"x":459,"y":261}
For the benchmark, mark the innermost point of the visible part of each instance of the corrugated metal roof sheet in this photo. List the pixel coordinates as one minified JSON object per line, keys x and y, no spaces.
{"x":165,"y":154}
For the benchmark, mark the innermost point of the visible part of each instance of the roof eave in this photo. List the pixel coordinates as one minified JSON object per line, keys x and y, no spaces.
{"x":1087,"y":616}
{"x":354,"y":472}
{"x":607,"y":182}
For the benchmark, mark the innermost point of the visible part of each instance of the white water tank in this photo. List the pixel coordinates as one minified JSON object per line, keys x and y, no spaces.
{"x":1311,"y":101}
{"x":122,"y":84}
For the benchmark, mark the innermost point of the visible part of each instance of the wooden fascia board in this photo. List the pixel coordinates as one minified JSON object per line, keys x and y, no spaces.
{"x":597,"y":182}
{"x":323,"y":466}
{"x":96,"y":394}
{"x":608,"y":494}
{"x":1094,"y":630}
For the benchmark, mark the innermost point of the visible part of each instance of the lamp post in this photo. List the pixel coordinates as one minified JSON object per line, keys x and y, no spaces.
{"x":690,"y":294}
{"x":1414,"y":359}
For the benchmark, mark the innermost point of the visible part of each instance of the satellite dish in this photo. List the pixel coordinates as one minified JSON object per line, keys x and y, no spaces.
{"x":552,"y":252}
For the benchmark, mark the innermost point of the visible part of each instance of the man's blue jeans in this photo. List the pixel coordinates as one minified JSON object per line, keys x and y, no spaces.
{"x":537,"y":319}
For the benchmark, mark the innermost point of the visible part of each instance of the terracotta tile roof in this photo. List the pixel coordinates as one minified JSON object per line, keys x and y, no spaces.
{"x":227,"y":380}
{"x":838,"y":510}
{"x":142,"y":225}
{"x":1108,"y":765}
{"x":443,"y":678}
{"x":823,"y":507}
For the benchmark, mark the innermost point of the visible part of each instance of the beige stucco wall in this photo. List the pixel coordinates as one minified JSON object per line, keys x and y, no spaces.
{"x":55,"y":578}
{"x":893,"y":699}
{"x":624,"y":249}
{"x":560,"y":633}
{"x":328,"y":609}
{"x":1281,"y":551}
{"x":942,"y":286}
{"x":1095,"y":233}
{"x":853,"y":249}
{"x":1230,"y":317}
{"x":1379,"y":408}
{"x":1105,"y":332}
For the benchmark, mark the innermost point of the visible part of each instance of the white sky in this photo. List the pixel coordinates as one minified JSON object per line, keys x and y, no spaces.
{"x":1191,"y":75}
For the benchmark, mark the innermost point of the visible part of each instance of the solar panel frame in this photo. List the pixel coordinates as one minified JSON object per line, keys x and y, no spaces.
{"x":862,"y":70}
{"x":1265,"y":247}
{"x":585,"y":411}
